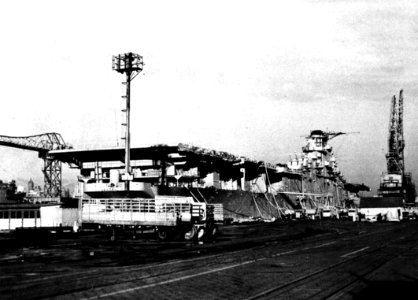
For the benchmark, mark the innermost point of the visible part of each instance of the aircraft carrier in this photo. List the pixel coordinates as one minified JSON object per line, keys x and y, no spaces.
{"x":185,"y":222}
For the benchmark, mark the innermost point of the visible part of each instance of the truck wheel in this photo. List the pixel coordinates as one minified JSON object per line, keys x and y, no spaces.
{"x":200,"y":233}
{"x":189,"y":235}
{"x":213,"y":230}
{"x":162,"y":234}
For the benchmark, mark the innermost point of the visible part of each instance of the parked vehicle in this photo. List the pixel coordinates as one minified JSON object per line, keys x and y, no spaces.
{"x":168,"y":215}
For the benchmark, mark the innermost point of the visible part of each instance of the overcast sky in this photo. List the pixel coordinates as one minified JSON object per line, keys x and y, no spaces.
{"x":247,"y":77}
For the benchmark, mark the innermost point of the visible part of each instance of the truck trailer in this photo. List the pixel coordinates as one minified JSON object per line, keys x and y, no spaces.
{"x":168,"y":215}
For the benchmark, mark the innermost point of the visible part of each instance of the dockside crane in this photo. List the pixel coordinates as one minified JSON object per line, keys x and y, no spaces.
{"x":396,"y":144}
{"x":395,"y":182}
{"x":42,"y":143}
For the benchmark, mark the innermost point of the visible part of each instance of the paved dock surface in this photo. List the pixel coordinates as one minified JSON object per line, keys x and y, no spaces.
{"x":294,"y":260}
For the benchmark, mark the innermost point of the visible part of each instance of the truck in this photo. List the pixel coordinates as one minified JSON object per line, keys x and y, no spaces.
{"x":167,"y":215}
{"x":329,"y":212}
{"x":353,"y":214}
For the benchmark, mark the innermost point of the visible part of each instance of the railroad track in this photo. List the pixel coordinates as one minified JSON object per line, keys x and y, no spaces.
{"x":309,"y":283}
{"x":144,"y":288}
{"x":71,"y":282}
{"x":101,"y":281}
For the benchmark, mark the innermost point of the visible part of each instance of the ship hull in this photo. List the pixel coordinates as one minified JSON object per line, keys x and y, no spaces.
{"x":242,"y":206}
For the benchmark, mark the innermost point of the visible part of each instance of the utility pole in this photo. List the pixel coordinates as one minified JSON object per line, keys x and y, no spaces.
{"x":130,"y":64}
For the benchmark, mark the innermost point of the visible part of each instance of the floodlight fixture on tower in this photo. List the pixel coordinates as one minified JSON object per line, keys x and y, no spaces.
{"x":130,"y":64}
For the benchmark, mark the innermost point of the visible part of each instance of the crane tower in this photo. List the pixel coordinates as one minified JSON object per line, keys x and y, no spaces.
{"x":396,"y":143}
{"x":396,"y":182}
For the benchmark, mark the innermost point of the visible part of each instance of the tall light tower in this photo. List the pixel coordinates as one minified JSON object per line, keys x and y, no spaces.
{"x":131,"y":64}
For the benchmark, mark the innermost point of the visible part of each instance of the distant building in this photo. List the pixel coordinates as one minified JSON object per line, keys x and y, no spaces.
{"x":34,"y":191}
{"x":31,"y":185}
{"x":66,"y":193}
{"x":3,"y":191}
{"x":20,"y":189}
{"x":382,"y":208}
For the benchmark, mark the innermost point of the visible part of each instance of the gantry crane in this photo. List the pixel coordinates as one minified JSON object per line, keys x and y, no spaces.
{"x":42,"y":143}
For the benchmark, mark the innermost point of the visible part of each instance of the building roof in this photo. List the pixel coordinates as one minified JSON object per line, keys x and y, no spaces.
{"x":381,"y":202}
